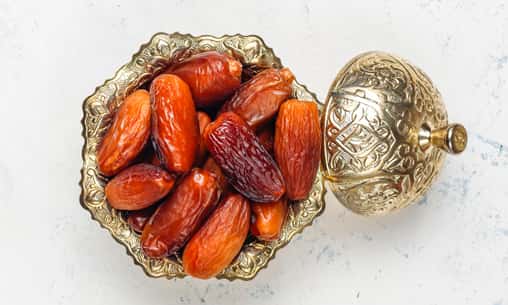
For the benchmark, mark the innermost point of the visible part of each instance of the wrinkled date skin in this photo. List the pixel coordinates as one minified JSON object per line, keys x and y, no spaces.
{"x":258,"y":100}
{"x":138,"y":219}
{"x":175,"y":128}
{"x":138,"y":187}
{"x":220,"y":239}
{"x":268,"y":218}
{"x":297,"y":146}
{"x":127,"y":135}
{"x":181,"y":214}
{"x":203,"y":120}
{"x":211,"y":76}
{"x":248,"y":166}
{"x":213,"y":168}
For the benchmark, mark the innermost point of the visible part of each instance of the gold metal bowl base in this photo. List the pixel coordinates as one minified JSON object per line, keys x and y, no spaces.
{"x":152,"y":59}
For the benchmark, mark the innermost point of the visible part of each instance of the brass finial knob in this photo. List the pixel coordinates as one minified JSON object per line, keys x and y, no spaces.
{"x":451,"y":138}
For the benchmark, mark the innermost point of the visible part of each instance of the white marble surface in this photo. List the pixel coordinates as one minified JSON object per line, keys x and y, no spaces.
{"x":450,"y":248}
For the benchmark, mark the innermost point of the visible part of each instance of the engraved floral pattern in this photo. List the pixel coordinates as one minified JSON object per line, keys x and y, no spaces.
{"x":374,"y":112}
{"x":153,"y":57}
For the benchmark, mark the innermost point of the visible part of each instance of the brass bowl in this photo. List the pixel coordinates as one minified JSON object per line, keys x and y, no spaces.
{"x":150,"y":60}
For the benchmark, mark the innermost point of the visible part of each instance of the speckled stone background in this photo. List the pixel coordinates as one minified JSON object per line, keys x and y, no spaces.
{"x":449,"y":248}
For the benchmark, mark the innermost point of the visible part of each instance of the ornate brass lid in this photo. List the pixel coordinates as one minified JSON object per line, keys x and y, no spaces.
{"x":385,"y":134}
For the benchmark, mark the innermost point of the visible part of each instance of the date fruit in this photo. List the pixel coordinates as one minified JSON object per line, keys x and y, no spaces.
{"x":181,"y":214}
{"x":211,"y":76}
{"x":127,"y":135}
{"x":175,"y":128}
{"x":297,"y":146}
{"x":138,"y":187}
{"x":219,"y":240}
{"x":259,"y":99}
{"x":248,"y":166}
{"x":268,"y":218}
{"x":203,"y":120}
{"x":138,"y":219}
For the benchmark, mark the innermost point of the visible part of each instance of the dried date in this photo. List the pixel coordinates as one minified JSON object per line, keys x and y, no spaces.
{"x":138,"y":187}
{"x":258,"y":100}
{"x":181,"y":214}
{"x":220,"y":239}
{"x":297,"y":146}
{"x":127,"y":135}
{"x":268,"y":218}
{"x":211,"y":76}
{"x":175,"y":128}
{"x":248,"y":166}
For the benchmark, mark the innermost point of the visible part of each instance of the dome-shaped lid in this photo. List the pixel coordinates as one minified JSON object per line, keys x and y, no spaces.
{"x":386,"y":134}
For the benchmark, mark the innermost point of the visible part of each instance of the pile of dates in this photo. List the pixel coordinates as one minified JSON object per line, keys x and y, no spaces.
{"x":205,"y":158}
